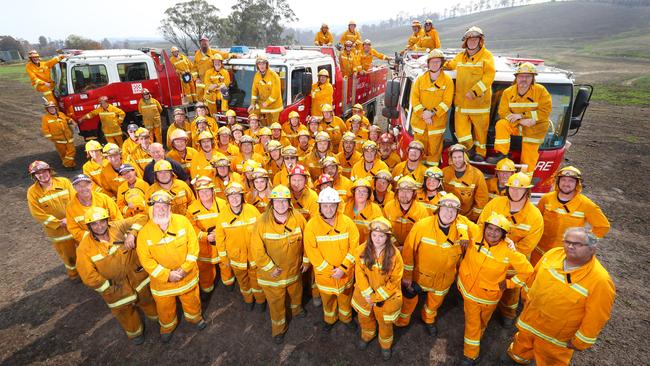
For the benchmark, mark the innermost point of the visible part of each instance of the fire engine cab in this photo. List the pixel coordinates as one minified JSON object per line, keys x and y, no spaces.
{"x":570,"y":102}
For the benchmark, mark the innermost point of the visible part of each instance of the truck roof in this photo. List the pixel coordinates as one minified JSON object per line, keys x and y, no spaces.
{"x":291,"y":56}
{"x":88,"y":55}
{"x":414,"y":65}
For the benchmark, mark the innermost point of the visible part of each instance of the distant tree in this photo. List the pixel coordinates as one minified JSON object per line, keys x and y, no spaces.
{"x":78,"y":42}
{"x":42,"y":41}
{"x":260,"y":22}
{"x":126,"y":44}
{"x":186,"y":22}
{"x":106,"y":44}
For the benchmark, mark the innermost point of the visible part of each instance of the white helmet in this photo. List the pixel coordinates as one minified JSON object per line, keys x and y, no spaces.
{"x":329,"y":195}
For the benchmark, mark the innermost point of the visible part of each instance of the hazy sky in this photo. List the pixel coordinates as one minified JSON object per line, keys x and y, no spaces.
{"x":141,"y":18}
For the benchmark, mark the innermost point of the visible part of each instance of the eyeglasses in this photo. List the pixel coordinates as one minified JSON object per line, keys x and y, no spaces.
{"x":574,"y":244}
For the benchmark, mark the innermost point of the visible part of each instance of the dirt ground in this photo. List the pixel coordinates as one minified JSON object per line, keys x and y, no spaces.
{"x":47,"y":319}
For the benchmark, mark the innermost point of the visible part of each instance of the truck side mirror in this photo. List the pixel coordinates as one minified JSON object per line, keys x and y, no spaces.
{"x":391,"y":96}
{"x":306,"y":83}
{"x":580,"y":104}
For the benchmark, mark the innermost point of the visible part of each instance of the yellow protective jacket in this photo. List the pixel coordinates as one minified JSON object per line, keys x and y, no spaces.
{"x":312,"y":160}
{"x":366,"y":58}
{"x":565,"y":306}
{"x":40,"y":74}
{"x":181,"y":63}
{"x":473,"y":74}
{"x":306,"y":204}
{"x":323,"y":39}
{"x":186,"y":160}
{"x":128,"y":148}
{"x":328,"y":247}
{"x":352,"y":37}
{"x":205,"y":220}
{"x":402,"y":170}
{"x":435,"y":96}
{"x":47,"y":207}
{"x":412,"y":42}
{"x":111,"y":119}
{"x":536,"y":104}
{"x":335,"y":128}
{"x":484,"y":267}
{"x":200,"y":164}
{"x":431,"y":257}
{"x":346,"y":163}
{"x":220,"y":78}
{"x":320,"y":94}
{"x":267,"y":88}
{"x":404,"y":221}
{"x":381,"y":287}
{"x":55,"y":128}
{"x":220,"y":185}
{"x":342,"y":185}
{"x":111,"y":180}
{"x":74,"y":213}
{"x":392,"y":160}
{"x":278,"y":245}
{"x":363,"y":218}
{"x":140,"y":160}
{"x":182,"y":195}
{"x":187,"y":127}
{"x":429,"y":40}
{"x":493,"y":188}
{"x":233,"y":236}
{"x":203,"y":62}
{"x":527,"y":225}
{"x":150,"y":111}
{"x":106,"y":267}
{"x":350,"y":62}
{"x":94,"y":170}
{"x":560,"y":216}
{"x":359,"y":169}
{"x":430,"y":202}
{"x":470,"y":189}
{"x":136,"y":195}
{"x":161,"y":252}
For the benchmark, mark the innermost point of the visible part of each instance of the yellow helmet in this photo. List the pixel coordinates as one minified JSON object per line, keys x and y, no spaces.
{"x":250,"y":165}
{"x":369,"y":145}
{"x":50,"y":104}
{"x":260,"y":173}
{"x":178,"y":134}
{"x":355,"y":118}
{"x":358,"y":106}
{"x":142,"y":132}
{"x":253,"y":116}
{"x":94,"y":214}
{"x":273,"y":145}
{"x":261,"y":59}
{"x":294,"y":114}
{"x":217,"y":56}
{"x":436,"y":53}
{"x":449,"y":200}
{"x":526,"y":68}
{"x":264,"y":131}
{"x":362,"y":182}
{"x":352,"y":22}
{"x":160,"y":196}
{"x":174,"y":49}
{"x":519,"y":180}
{"x":456,"y":147}
{"x":203,"y":182}
{"x":205,"y":135}
{"x":289,"y":151}
{"x":220,"y":161}
{"x":328,"y":161}
{"x":473,"y":31}
{"x":367,"y":41}
{"x":407,"y":183}
{"x":433,"y":172}
{"x":415,"y":144}
{"x":326,"y":107}
{"x":237,"y":127}
{"x":384,"y":174}
{"x":93,"y":145}
{"x":201,"y":120}
{"x":415,"y":23}
{"x":280,"y":192}
{"x":234,"y":188}
{"x":303,"y":132}
{"x":324,"y":72}
{"x":348,"y":136}
{"x":381,"y":224}
{"x":231,"y":113}
{"x":499,"y":221}
{"x":275,"y":126}
{"x":224,"y":131}
{"x":322,"y":136}
{"x":246,"y":140}
{"x":33,"y":53}
{"x":569,"y":171}
{"x":162,"y":166}
{"x":505,"y":165}
{"x":111,"y":149}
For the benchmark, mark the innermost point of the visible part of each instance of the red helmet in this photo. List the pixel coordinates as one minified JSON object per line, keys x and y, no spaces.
{"x":386,"y":138}
{"x":298,"y":170}
{"x":37,"y":166}
{"x":324,"y":178}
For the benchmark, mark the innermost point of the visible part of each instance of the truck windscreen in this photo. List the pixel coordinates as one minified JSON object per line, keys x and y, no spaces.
{"x":242,"y":80}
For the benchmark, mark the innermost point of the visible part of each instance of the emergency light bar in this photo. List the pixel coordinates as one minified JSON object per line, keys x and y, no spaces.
{"x":276,"y":50}
{"x":519,"y":60}
{"x":238,"y":49}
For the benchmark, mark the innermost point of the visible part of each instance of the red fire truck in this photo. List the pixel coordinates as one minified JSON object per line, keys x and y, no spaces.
{"x":570,"y":101}
{"x":122,"y":74}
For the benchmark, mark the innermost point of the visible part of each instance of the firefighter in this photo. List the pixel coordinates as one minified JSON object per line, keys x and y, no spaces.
{"x":526,"y":228}
{"x":277,"y":248}
{"x":201,"y":164}
{"x":217,"y":81}
{"x":387,"y":147}
{"x":564,"y":207}
{"x":324,"y":37}
{"x":47,"y":199}
{"x":165,"y":180}
{"x":157,"y":152}
{"x":429,"y":39}
{"x":525,"y":110}
{"x":110,"y":118}
{"x":224,"y":143}
{"x":231,"y":118}
{"x":293,"y":126}
{"x":40,"y":74}
{"x":370,"y":164}
{"x":200,"y":125}
{"x":81,"y":201}
{"x":466,"y":182}
{"x":418,"y":32}
{"x":263,"y":137}
{"x":289,"y":160}
{"x":367,"y":54}
{"x":150,"y":109}
{"x":266,"y":95}
{"x":331,"y":166}
{"x":260,"y":193}
{"x":322,"y":93}
{"x":233,"y":231}
{"x":358,"y":131}
{"x":383,"y":192}
{"x":203,"y":213}
{"x":352,"y":35}
{"x":330,"y":240}
{"x":248,"y":168}
{"x":504,"y":169}
{"x":131,"y":194}
{"x":432,"y":190}
{"x":93,"y":167}
{"x":413,"y":166}
{"x":358,"y":110}
{"x":432,"y":251}
{"x":223,"y":175}
{"x":237,"y":132}
{"x":377,"y":297}
{"x":131,"y":143}
{"x":246,"y":153}
{"x":278,"y":135}
{"x":360,"y":207}
{"x":180,"y":123}
{"x":349,"y":60}
{"x":110,"y":177}
{"x":303,"y":198}
{"x":108,"y":264}
{"x":324,"y":181}
{"x":333,"y":125}
{"x":203,"y":61}
{"x":253,"y":125}
{"x":141,"y":156}
{"x":431,"y":97}
{"x":180,"y":152}
{"x":322,"y":148}
{"x":569,"y":301}
{"x":482,"y":279}
{"x":348,"y":156}
{"x":305,"y":143}
{"x":405,"y":210}
{"x":57,"y":127}
{"x":274,"y":162}
{"x":183,"y":67}
{"x":474,"y":76}
{"x":168,"y":250}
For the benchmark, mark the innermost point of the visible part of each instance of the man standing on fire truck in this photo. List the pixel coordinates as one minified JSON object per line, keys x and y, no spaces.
{"x":266,"y":96}
{"x":183,"y":68}
{"x":203,"y":63}
{"x":40,"y":75}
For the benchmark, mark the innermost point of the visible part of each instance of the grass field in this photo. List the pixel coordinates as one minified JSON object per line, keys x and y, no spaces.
{"x":637,"y":93}
{"x":14,"y":72}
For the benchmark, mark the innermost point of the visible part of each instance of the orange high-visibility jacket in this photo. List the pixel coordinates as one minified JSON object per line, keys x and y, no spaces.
{"x":150,"y":111}
{"x":109,"y":269}
{"x":278,"y":245}
{"x":162,"y":252}
{"x":352,"y":37}
{"x":359,"y":169}
{"x":470,"y":189}
{"x":111,"y":119}
{"x":412,"y":42}
{"x":182,"y":195}
{"x":56,"y":129}
{"x":181,"y":63}
{"x":366,"y":58}
{"x":205,"y":220}
{"x":203,"y":62}
{"x":306,"y":204}
{"x":48,"y":207}
{"x":111,"y":180}
{"x":128,"y":148}
{"x":40,"y":74}
{"x":430,"y":203}
{"x":136,"y":195}
{"x":346,"y":163}
{"x":493,"y":188}
{"x":402,"y":170}
{"x":432,"y":95}
{"x":349,"y":62}
{"x":74,"y":213}
{"x":323,"y":39}
{"x":94,"y":170}
{"x":266,"y":88}
{"x":473,"y":74}
{"x":140,"y":159}
{"x":429,"y":40}
{"x":536,"y":104}
{"x":186,"y":160}
{"x":403,"y":221}
{"x":363,"y":218}
{"x":320,"y":94}
{"x":233,"y":236}
{"x":565,"y":306}
{"x":328,"y":247}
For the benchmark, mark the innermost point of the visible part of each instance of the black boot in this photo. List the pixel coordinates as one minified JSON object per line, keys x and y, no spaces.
{"x":495,"y":158}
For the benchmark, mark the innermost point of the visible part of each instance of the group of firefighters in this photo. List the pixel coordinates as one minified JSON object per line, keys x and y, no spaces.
{"x":330,"y":205}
